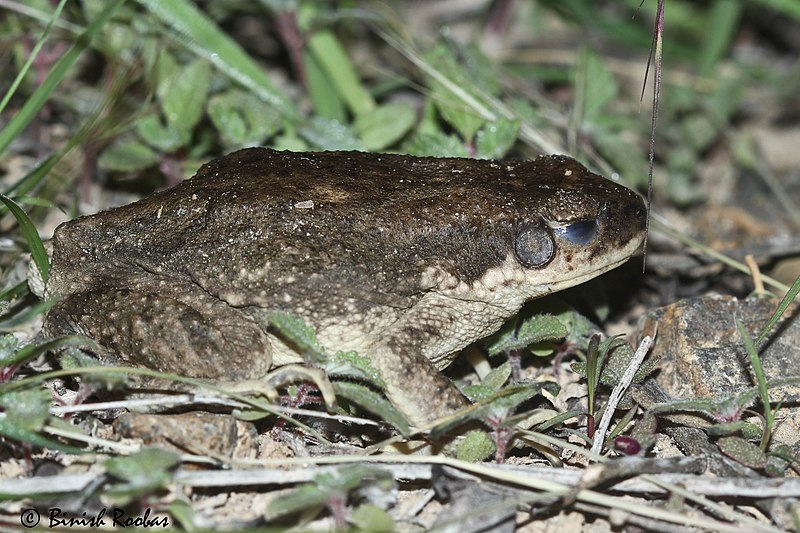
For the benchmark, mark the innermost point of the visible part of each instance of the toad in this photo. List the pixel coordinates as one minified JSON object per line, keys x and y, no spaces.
{"x":405,"y":260}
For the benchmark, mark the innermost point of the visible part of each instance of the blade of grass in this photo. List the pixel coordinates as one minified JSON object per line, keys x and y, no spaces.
{"x":34,"y":439}
{"x":34,"y":53}
{"x":59,"y":71}
{"x":101,"y":120}
{"x":778,"y":190}
{"x":758,"y":371}
{"x":332,"y":58}
{"x":38,"y":14}
{"x":661,"y":224}
{"x":787,"y":300}
{"x":326,"y":103}
{"x":15,"y":291}
{"x":30,"y":180}
{"x":725,"y":15}
{"x":201,"y":35}
{"x":656,"y":56}
{"x":29,"y":313}
{"x":30,"y":351}
{"x":31,"y":236}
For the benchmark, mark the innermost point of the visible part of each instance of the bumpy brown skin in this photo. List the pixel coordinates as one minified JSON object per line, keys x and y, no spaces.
{"x":404,"y":259}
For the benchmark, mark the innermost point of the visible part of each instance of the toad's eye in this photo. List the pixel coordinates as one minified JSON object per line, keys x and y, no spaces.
{"x":534,"y":245}
{"x":581,"y":232}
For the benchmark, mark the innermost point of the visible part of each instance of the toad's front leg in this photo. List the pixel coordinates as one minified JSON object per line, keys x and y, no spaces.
{"x":409,"y":354}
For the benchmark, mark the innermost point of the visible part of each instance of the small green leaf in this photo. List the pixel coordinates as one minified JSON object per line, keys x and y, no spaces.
{"x":746,"y":429}
{"x":329,"y":134}
{"x":26,"y":409}
{"x":490,"y":404}
{"x":373,"y":402}
{"x":779,"y":459}
{"x":185,"y":95}
{"x":743,"y":451}
{"x":75,"y":358}
{"x":533,"y":330}
{"x":304,"y":498}
{"x":352,"y":365}
{"x":184,"y":514}
{"x":8,"y":347}
{"x":509,"y":398}
{"x":384,"y":125}
{"x":151,"y":130}
{"x":327,"y":486}
{"x":298,"y":333}
{"x":615,"y":357}
{"x":503,"y":402}
{"x":242,"y":119}
{"x":497,"y":377}
{"x":495,"y":139}
{"x":368,"y":517}
{"x":472,"y":79}
{"x":477,"y":393}
{"x":541,"y":328}
{"x":140,"y":473}
{"x":703,"y":405}
{"x":228,"y":121}
{"x":143,"y":466}
{"x":166,"y":70}
{"x":597,"y":83}
{"x":477,"y":446}
{"x":327,"y":103}
{"x":698,"y":131}
{"x":458,"y":115}
{"x":30,"y":351}
{"x":580,"y":328}
{"x":119,"y":39}
{"x":127,"y":155}
{"x":731,"y":407}
{"x":435,"y":144}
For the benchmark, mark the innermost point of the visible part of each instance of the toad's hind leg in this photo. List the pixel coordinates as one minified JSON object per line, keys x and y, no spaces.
{"x":188,"y":332}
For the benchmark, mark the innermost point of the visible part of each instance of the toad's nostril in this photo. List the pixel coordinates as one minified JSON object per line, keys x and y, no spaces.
{"x":635,"y":210}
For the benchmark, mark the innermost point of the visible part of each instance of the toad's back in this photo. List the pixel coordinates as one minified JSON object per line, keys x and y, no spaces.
{"x":258,"y":219}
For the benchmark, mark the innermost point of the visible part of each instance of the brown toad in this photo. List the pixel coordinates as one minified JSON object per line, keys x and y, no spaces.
{"x":405,"y":260}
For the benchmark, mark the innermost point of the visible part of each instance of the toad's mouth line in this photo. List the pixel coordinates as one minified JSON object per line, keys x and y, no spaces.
{"x":622,"y":256}
{"x":586,"y":276}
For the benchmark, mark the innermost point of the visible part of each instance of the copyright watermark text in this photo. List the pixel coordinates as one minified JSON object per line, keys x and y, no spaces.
{"x":115,"y":517}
